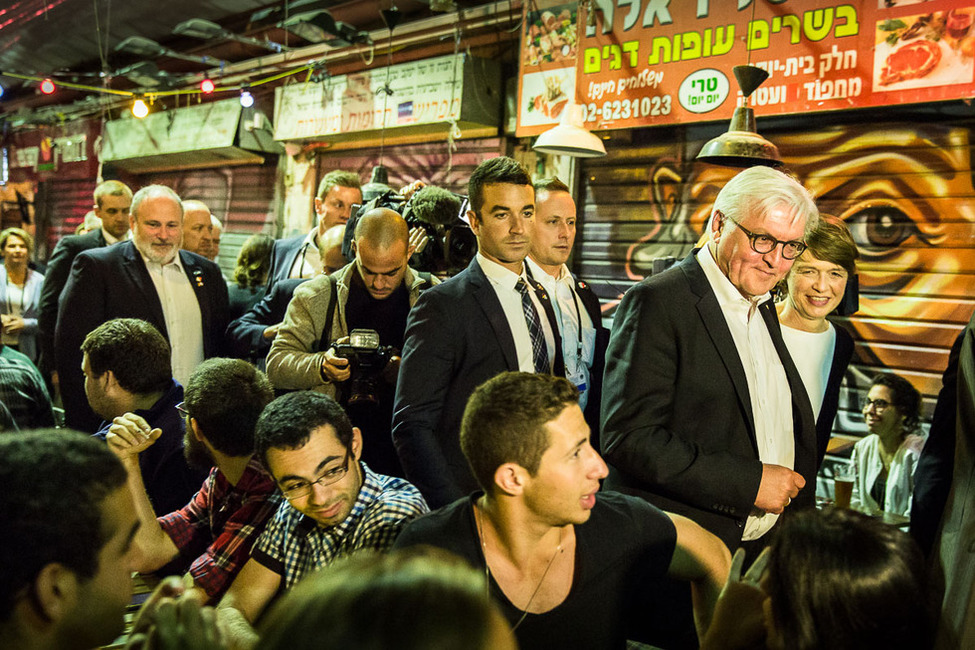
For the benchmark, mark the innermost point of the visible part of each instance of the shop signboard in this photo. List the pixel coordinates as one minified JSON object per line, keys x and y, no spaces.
{"x":654,"y":62}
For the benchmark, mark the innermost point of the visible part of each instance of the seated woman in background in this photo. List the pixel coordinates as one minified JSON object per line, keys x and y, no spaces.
{"x":820,"y":350}
{"x":886,"y":459}
{"x":250,"y":274}
{"x":20,"y":291}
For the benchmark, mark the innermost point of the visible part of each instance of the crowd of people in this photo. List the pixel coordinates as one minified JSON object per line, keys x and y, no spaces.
{"x":333,"y":447}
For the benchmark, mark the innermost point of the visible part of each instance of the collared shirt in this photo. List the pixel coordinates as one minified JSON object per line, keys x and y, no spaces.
{"x":578,"y":343}
{"x":768,"y":385}
{"x":294,"y":544}
{"x":503,"y":282}
{"x":217,"y":529}
{"x":109,"y":239}
{"x":181,"y":310}
{"x":308,"y":262}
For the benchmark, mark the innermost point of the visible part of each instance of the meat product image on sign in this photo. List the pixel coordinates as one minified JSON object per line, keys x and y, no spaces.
{"x":911,"y":61}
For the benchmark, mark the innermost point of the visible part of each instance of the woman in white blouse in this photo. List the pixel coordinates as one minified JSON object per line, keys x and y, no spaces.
{"x":20,"y":291}
{"x":815,"y":288}
{"x":886,"y":459}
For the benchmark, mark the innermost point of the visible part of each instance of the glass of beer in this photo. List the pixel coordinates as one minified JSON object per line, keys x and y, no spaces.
{"x":843,"y":477}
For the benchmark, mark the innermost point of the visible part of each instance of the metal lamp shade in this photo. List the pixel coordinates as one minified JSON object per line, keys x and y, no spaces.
{"x":570,"y":138}
{"x":741,"y":146}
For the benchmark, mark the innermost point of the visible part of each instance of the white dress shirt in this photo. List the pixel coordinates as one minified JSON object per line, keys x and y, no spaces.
{"x":578,"y":342}
{"x":503,"y":282}
{"x":308,"y":262}
{"x":181,"y":310}
{"x":768,"y":385}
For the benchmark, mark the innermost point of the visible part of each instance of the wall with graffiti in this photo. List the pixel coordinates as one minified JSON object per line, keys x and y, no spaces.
{"x":906,"y":191}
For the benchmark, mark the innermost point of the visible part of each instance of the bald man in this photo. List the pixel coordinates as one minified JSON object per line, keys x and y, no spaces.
{"x":375,"y":292}
{"x":197,"y":228}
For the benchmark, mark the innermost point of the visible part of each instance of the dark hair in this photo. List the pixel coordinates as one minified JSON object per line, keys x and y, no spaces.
{"x":132,"y":349}
{"x":550,"y":185}
{"x":504,"y":421}
{"x":226,"y":397}
{"x":253,"y":261}
{"x":905,"y":397}
{"x":52,"y":485}
{"x":839,"y":579}
{"x":832,"y":242}
{"x":410,"y":599}
{"x":496,"y":170}
{"x":288,"y":421}
{"x":340,"y":178}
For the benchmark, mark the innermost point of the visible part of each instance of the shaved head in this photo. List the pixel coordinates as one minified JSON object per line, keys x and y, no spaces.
{"x":382,"y":227}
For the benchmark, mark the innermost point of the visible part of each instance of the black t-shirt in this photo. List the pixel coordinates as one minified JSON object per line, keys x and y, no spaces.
{"x":386,"y":316}
{"x":625,"y":545}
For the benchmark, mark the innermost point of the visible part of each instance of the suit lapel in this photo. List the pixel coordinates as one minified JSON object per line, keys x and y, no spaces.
{"x":487,"y":299}
{"x":138,"y":275}
{"x":195,"y":274}
{"x":717,"y":328}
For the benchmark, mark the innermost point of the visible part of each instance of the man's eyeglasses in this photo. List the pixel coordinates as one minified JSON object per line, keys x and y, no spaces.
{"x":301,"y":489}
{"x":766,"y":243}
{"x":879,"y":405}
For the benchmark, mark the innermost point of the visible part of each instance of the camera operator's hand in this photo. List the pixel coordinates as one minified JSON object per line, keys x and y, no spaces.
{"x":335,"y":368}
{"x":418,"y":240}
{"x":272,"y":331}
{"x":411,"y":189}
{"x":391,"y":371}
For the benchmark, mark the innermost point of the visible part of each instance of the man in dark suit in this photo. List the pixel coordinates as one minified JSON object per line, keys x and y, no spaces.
{"x":249,"y":337}
{"x":112,"y":202}
{"x":470,"y":328}
{"x":300,"y":257}
{"x":703,"y":410}
{"x":182,"y":294}
{"x":584,"y":338}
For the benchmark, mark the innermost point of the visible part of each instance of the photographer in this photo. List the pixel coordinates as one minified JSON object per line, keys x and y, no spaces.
{"x":312,"y":349}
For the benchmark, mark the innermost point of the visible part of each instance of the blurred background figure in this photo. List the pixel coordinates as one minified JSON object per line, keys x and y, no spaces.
{"x":20,"y":292}
{"x":886,"y":459}
{"x":250,"y":274}
{"x":410,"y":600}
{"x":814,"y":289}
{"x":216,"y":229}
{"x":89,"y":223}
{"x":197,"y":228}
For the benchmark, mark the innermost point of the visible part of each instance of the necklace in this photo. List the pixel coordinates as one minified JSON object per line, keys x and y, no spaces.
{"x":487,"y":569}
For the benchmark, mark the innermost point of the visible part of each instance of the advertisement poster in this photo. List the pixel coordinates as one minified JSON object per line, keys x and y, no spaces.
{"x":654,"y":62}
{"x":550,"y":39}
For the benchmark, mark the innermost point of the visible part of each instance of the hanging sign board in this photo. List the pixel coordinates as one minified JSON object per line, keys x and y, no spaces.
{"x":453,"y":88}
{"x":652,"y":62}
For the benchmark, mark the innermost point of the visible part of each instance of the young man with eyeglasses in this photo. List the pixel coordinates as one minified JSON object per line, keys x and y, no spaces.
{"x":335,"y":505}
{"x":704,"y":413}
{"x":209,"y":538}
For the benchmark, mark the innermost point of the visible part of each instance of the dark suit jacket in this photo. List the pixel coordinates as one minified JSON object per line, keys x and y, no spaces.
{"x":283,"y":255}
{"x":677,"y":419}
{"x":457,"y":337}
{"x":113,"y":282}
{"x":245,"y":336}
{"x":591,"y":303}
{"x":58,"y":270}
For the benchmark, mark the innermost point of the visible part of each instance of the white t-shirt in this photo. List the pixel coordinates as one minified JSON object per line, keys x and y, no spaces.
{"x":812,"y":353}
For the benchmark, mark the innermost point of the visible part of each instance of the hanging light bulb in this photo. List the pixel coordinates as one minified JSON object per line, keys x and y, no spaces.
{"x":246,"y":98}
{"x":206,"y":86}
{"x":47,"y":86}
{"x":139,"y":108}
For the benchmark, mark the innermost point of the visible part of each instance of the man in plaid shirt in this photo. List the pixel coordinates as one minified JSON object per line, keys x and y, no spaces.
{"x":335,"y":505}
{"x":213,"y":534}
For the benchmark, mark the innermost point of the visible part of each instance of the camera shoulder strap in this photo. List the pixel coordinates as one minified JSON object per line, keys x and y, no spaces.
{"x":326,"y":338}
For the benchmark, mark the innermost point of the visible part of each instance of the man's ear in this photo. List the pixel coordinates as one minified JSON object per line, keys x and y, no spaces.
{"x":196,"y":429}
{"x":55,"y":592}
{"x":356,"y":444}
{"x":510,"y":478}
{"x":111,"y":381}
{"x":474,"y":223}
{"x":353,"y":247}
{"x":319,"y":206}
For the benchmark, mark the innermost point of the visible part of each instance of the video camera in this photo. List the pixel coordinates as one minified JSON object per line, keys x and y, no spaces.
{"x":367,"y":359}
{"x":443,"y":217}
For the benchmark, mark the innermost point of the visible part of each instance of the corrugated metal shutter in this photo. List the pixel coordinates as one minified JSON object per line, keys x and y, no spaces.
{"x":243,"y":198}
{"x":431,"y":162}
{"x":906,"y":190}
{"x":60,"y":206}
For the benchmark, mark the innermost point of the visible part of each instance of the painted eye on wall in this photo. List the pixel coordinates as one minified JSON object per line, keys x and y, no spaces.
{"x":880,"y":227}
